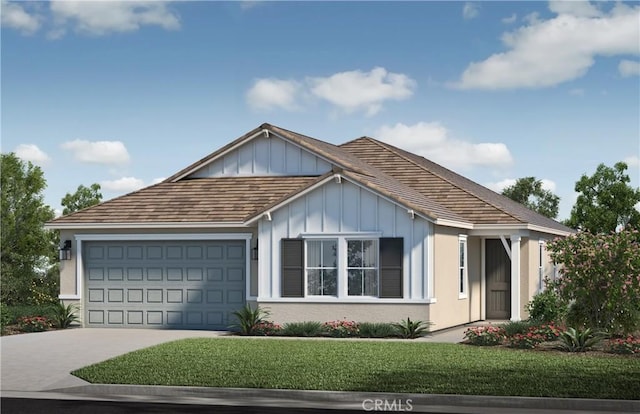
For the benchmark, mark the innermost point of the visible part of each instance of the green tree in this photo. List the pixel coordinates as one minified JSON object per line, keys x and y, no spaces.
{"x":27,"y":248}
{"x":528,"y":191}
{"x":606,"y":201}
{"x":83,"y":197}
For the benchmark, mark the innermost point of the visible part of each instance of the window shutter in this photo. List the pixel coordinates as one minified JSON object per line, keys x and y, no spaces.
{"x":292,"y":273}
{"x":391,"y":259}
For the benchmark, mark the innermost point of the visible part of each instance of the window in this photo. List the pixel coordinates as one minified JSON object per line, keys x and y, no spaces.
{"x":540,"y":265}
{"x":462,"y":267}
{"x":362,"y":267}
{"x":322,"y":269}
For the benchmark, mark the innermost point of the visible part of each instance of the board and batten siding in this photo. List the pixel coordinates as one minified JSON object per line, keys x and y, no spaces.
{"x":263,"y":157}
{"x":345,"y":208}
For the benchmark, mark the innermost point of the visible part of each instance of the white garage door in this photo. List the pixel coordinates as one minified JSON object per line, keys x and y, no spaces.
{"x":163,"y":284}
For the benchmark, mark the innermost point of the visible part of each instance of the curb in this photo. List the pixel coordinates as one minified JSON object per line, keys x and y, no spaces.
{"x":340,"y":399}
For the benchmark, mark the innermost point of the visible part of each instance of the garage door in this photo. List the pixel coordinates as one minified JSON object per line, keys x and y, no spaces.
{"x":163,"y":284}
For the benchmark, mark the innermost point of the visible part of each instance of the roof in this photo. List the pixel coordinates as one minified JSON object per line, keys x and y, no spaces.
{"x":420,"y":185}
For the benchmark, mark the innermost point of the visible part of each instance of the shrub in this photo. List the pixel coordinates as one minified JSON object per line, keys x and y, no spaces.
{"x":341,"y":329}
{"x":527,"y":340}
{"x":266,"y":328}
{"x":515,"y":327}
{"x":409,"y":329}
{"x":377,"y":330}
{"x":485,"y":335}
{"x":550,"y":332}
{"x":579,"y":340}
{"x":34,"y":323}
{"x":628,"y":345}
{"x":6,"y":317}
{"x":248,"y":319}
{"x":600,"y":279}
{"x":305,"y":329}
{"x":547,"y":306}
{"x":63,"y":316}
{"x":17,"y":311}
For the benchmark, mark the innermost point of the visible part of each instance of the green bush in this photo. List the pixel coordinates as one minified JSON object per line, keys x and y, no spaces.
{"x":18,"y":311}
{"x":63,"y":316}
{"x":6,"y":317}
{"x":34,"y":323}
{"x":248,"y":319}
{"x":342,"y":328}
{"x":377,"y":330}
{"x":547,"y":306}
{"x":579,"y":340}
{"x":409,"y":329}
{"x":305,"y":329}
{"x":516,"y":327}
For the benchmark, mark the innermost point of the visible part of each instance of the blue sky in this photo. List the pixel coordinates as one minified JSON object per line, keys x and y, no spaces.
{"x":127,"y":93}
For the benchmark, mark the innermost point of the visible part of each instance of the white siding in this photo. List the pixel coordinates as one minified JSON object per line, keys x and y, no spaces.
{"x":265,"y":156}
{"x":337,"y":208}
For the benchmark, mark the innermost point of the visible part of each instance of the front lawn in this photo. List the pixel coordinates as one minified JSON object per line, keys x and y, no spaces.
{"x":352,"y":365}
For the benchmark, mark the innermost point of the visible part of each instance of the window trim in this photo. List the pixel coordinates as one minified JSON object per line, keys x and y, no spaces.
{"x":463,"y":269}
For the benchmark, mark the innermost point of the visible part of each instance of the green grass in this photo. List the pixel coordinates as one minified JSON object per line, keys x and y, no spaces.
{"x":389,"y":366}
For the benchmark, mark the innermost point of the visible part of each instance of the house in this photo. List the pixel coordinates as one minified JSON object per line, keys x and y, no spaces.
{"x":310,"y":231}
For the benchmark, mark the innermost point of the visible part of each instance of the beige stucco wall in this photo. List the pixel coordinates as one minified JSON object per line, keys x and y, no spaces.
{"x":360,"y":312}
{"x":474,"y":265}
{"x":449,"y":310}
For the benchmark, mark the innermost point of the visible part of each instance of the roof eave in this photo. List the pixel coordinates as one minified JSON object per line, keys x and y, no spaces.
{"x":495,"y":229}
{"x":143,"y":225}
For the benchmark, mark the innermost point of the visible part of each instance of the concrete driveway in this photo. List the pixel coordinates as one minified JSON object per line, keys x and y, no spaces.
{"x":43,"y":361}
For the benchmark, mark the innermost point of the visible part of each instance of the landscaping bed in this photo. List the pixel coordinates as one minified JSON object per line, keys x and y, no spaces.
{"x":373,"y":366}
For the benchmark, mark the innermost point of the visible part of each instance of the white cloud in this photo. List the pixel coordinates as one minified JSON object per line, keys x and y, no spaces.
{"x":548,"y":52}
{"x":632,"y":161}
{"x":98,"y":152}
{"x":31,"y":152}
{"x":104,"y":17}
{"x":576,"y":92}
{"x":507,"y":182}
{"x":629,"y":68}
{"x":432,"y":141}
{"x":158,"y":180}
{"x":511,"y":19}
{"x":16,"y":17}
{"x":350,"y":91}
{"x":470,"y":10}
{"x":357,"y":90}
{"x":122,"y":185}
{"x":274,"y":93}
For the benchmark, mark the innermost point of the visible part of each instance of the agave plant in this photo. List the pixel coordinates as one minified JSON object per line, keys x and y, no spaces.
{"x":577,"y":340}
{"x":248,"y":319}
{"x":412,"y":329}
{"x":63,"y":315}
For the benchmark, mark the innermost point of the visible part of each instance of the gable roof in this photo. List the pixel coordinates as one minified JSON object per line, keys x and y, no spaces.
{"x":428,"y":189}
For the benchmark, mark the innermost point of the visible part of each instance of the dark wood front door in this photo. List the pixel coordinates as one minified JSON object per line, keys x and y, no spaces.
{"x":498,"y":272}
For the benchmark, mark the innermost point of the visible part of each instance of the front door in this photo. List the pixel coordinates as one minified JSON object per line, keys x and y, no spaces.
{"x":498,"y":273}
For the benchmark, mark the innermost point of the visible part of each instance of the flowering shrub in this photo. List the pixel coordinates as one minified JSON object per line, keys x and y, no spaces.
{"x":628,"y":345}
{"x":525,"y":341}
{"x":600,"y":279}
{"x":342,"y":329}
{"x":548,"y":332}
{"x":485,"y":335}
{"x":266,"y":328}
{"x":34,"y":323}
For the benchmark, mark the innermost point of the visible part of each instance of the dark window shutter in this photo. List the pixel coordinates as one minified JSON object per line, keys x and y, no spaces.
{"x":292,"y":282}
{"x":391,"y":259}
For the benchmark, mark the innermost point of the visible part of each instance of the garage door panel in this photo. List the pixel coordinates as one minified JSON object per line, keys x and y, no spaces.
{"x":191,"y":284}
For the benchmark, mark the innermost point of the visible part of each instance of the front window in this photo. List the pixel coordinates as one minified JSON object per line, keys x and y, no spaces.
{"x":462,"y":267}
{"x":540,"y":265}
{"x":322,"y":267}
{"x":362,"y":267}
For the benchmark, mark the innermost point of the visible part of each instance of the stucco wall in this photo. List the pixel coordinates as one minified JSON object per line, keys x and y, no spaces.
{"x":474,"y":263}
{"x":449,"y":310}
{"x":361,"y":312}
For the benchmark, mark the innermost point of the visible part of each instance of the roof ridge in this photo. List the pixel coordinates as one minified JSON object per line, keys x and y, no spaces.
{"x":399,"y":152}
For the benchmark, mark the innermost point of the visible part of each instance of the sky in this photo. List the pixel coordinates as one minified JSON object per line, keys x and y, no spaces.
{"x":127,"y":93}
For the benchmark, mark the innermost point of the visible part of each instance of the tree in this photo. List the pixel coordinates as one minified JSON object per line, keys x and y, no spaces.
{"x":606,"y":201}
{"x":529,"y":192}
{"x":27,"y":248}
{"x":83,"y":197}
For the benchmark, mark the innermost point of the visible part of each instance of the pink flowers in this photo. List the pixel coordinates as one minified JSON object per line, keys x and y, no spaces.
{"x":485,"y":335}
{"x":34,"y":323}
{"x":628,"y":345}
{"x":342,"y":328}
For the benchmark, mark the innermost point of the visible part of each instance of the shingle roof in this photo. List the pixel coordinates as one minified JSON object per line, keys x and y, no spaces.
{"x":466,"y":198}
{"x":415,"y":182}
{"x":217,"y":200}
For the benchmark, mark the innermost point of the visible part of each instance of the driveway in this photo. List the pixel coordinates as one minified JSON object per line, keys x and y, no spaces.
{"x":43,"y":361}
